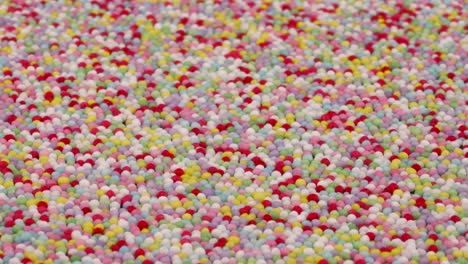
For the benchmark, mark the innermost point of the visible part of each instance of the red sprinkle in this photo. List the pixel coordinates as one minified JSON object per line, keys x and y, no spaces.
{"x":49,"y":96}
{"x":142,"y":224}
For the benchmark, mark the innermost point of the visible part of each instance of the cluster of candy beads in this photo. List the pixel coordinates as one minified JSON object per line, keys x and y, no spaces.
{"x":232,"y":131}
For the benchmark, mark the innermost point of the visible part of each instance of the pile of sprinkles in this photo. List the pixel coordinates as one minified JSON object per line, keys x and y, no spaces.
{"x":233,"y":131}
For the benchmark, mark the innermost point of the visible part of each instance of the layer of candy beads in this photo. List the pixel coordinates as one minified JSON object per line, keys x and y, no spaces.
{"x":232,"y":131}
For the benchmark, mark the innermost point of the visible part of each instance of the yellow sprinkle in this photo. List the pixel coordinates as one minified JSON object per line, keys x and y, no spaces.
{"x":431,"y":256}
{"x":175,"y":204}
{"x":411,"y":171}
{"x":113,"y":220}
{"x":296,"y":224}
{"x":139,"y":179}
{"x":259,"y":196}
{"x":63,"y":180}
{"x":88,"y":227}
{"x":289,"y":79}
{"x":339,"y":247}
{"x":225,"y":209}
{"x":300,"y":182}
{"x":100,"y":192}
{"x":233,"y":241}
{"x":395,"y":164}
{"x":317,"y":98}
